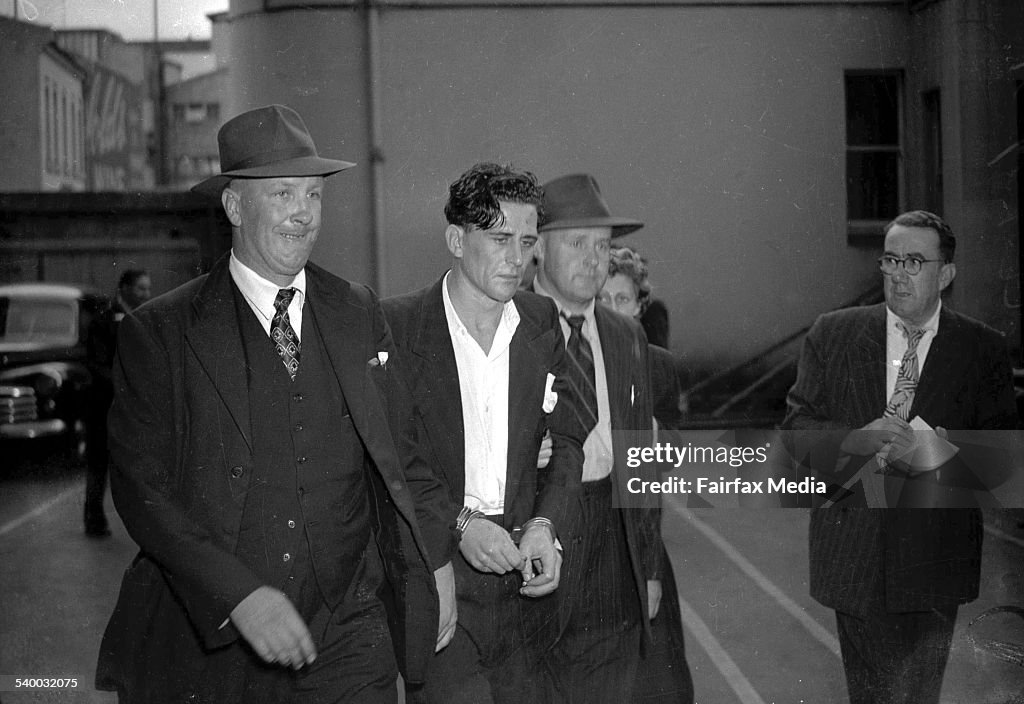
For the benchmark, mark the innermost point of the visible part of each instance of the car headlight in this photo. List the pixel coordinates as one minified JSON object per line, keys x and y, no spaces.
{"x":46,"y":385}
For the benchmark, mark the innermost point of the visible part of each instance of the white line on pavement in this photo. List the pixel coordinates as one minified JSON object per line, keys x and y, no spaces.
{"x":1005,"y":536}
{"x":39,"y":510}
{"x":813,"y":627}
{"x":725,"y":664}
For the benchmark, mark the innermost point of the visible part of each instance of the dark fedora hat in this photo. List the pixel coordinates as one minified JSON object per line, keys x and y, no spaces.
{"x":576,"y":201}
{"x":267,"y":142}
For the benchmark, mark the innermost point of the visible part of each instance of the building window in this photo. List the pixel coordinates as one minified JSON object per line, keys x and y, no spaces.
{"x":195,"y":113}
{"x":874,"y":160}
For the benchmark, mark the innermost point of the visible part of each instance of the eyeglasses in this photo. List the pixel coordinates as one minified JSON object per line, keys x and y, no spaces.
{"x":620,"y":299}
{"x":912,"y":265}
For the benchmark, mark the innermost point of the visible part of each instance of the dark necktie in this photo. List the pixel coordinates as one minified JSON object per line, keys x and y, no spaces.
{"x":581,"y":372}
{"x":907,"y":378}
{"x":286,"y":342}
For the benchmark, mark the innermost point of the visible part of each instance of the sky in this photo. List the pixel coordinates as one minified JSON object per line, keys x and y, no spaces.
{"x":132,"y":19}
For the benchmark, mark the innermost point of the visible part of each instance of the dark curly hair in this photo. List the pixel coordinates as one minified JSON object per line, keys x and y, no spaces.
{"x":473,"y":200}
{"x":627,"y":261}
{"x":931,"y":221}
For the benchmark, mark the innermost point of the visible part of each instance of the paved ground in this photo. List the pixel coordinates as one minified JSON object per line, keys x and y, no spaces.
{"x":755,"y":637}
{"x":753,"y":634}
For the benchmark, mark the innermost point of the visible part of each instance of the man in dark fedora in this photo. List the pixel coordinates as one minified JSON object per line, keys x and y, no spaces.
{"x":611,"y":588}
{"x":253,"y":463}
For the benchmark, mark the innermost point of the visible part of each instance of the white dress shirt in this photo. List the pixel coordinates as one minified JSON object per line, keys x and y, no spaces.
{"x":260,"y":293}
{"x":896,"y":347}
{"x":483,"y":387}
{"x":598,"y":457}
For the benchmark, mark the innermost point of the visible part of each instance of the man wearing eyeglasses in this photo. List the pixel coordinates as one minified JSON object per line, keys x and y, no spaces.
{"x":872,"y":381}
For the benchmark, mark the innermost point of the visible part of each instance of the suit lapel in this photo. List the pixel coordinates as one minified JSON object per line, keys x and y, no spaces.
{"x":342,"y":325}
{"x":867,"y":353}
{"x":434,"y":377}
{"x":615,"y":366}
{"x":945,"y":361}
{"x":221,"y":355}
{"x":527,"y":354}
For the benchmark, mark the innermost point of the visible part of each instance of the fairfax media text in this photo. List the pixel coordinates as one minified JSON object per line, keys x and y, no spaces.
{"x":705,"y":485}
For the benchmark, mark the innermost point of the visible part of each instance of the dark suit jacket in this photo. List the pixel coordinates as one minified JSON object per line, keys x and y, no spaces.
{"x":665,"y":388}
{"x":181,"y":449}
{"x":627,"y":373}
{"x":496,"y":620}
{"x":421,"y":335}
{"x":896,"y":559}
{"x":100,"y":345}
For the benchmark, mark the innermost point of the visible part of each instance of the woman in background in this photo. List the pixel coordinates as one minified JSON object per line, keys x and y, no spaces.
{"x":628,"y":291}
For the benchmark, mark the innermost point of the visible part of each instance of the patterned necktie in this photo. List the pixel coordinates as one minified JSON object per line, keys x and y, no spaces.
{"x":899,"y":405}
{"x":906,"y":380}
{"x":286,"y":342}
{"x":581,"y":371}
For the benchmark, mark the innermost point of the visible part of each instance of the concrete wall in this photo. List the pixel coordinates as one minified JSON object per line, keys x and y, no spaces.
{"x":971,"y":50}
{"x":21,"y":104}
{"x":722,"y":127}
{"x":314,"y":61}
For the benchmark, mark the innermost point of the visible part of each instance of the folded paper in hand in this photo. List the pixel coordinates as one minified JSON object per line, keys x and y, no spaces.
{"x":930,"y":450}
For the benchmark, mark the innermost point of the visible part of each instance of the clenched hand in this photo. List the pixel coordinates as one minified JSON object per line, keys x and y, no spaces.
{"x":271,"y":625}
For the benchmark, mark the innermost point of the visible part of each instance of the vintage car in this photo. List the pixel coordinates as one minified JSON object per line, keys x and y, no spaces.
{"x":44,"y":380}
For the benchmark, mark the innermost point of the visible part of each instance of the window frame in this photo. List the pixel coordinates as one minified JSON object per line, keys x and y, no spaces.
{"x":860,"y":228}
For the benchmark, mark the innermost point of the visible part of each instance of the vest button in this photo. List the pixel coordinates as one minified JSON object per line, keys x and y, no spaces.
{"x":291,"y":524}
{"x":298,"y":427}
{"x":297,"y":398}
{"x":236,"y":472}
{"x":286,"y":557}
{"x":301,"y":460}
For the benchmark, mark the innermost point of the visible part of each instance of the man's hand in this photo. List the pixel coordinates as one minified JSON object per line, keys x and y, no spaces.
{"x":653,"y":598}
{"x":878,"y":435}
{"x":271,"y":625}
{"x":545,"y":451}
{"x":444,"y":578}
{"x":538,"y":551}
{"x":489,"y":548}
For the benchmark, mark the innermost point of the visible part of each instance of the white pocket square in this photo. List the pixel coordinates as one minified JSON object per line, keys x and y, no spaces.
{"x":550,"y":395}
{"x":379,"y":361}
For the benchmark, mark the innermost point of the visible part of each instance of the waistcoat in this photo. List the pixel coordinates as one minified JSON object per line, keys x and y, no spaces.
{"x":306,"y":520}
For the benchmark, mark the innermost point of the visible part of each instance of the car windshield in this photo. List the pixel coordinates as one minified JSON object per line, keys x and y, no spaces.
{"x":51,"y":321}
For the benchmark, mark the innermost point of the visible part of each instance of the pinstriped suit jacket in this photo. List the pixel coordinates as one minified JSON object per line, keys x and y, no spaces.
{"x":627,"y":371}
{"x":896,"y":560}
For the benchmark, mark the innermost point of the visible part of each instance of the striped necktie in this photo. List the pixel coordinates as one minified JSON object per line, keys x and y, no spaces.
{"x":899,"y":405}
{"x":907,"y":378}
{"x":581,"y":371}
{"x":286,"y":342}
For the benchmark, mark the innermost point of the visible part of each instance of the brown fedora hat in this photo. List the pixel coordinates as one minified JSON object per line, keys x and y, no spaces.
{"x":267,"y":142}
{"x":576,"y":201}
